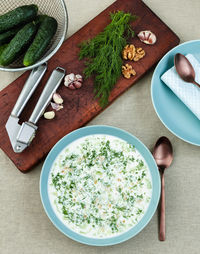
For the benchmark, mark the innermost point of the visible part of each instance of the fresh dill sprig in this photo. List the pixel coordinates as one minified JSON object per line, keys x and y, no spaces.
{"x":103,"y":54}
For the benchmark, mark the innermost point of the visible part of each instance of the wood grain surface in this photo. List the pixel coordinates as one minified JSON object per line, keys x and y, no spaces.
{"x":80,"y":105}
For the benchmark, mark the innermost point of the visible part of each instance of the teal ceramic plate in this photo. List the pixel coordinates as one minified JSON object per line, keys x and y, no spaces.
{"x":107,"y":131}
{"x":171,"y":111}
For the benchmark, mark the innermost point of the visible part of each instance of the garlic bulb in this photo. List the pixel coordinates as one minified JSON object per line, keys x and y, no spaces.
{"x":73,"y":81}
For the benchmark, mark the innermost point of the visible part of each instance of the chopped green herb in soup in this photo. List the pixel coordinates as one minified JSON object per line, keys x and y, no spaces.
{"x":100,"y":186}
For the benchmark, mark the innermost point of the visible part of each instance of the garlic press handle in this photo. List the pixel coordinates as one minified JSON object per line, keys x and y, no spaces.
{"x":28,"y":89}
{"x":46,"y":96}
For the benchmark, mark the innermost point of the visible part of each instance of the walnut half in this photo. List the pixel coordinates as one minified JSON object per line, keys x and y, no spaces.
{"x":129,"y":52}
{"x":127,"y":71}
{"x":140,"y":53}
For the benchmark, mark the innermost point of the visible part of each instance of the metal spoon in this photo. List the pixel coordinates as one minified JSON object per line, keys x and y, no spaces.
{"x":185,"y":69}
{"x":163,"y":155}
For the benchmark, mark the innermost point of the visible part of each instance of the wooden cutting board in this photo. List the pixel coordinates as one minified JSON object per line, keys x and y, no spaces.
{"x":80,"y":105}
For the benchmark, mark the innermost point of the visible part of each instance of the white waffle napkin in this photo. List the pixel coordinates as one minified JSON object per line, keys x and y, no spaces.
{"x":187,"y":92}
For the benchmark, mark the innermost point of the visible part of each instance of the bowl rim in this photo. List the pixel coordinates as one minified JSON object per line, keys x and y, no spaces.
{"x":40,"y":62}
{"x":106,"y":130}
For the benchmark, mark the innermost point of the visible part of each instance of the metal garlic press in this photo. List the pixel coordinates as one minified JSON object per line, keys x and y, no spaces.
{"x":21,"y":135}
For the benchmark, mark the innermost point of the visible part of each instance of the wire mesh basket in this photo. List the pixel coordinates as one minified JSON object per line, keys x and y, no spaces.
{"x":53,"y":8}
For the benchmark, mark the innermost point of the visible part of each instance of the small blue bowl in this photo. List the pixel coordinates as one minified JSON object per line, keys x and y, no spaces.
{"x":170,"y":109}
{"x":107,"y":130}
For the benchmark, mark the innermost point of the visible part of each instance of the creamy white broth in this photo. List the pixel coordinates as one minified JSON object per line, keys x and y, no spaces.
{"x":100,"y":186}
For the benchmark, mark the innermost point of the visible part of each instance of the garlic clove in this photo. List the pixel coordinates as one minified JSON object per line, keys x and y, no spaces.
{"x":79,"y":78}
{"x":56,"y":107}
{"x":77,"y":84}
{"x":147,"y":37}
{"x":70,"y":78}
{"x":49,"y":115}
{"x":57,"y":98}
{"x":71,"y":86}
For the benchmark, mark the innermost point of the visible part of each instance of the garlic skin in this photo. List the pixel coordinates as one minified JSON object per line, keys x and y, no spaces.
{"x":56,"y":106}
{"x":73,"y":81}
{"x":57,"y":98}
{"x":49,"y":115}
{"x":147,"y":37}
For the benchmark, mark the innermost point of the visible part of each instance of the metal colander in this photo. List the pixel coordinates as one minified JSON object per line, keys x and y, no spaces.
{"x":53,"y":8}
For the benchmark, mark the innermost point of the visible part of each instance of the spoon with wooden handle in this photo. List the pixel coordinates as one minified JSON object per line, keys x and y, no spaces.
{"x":163,"y":155}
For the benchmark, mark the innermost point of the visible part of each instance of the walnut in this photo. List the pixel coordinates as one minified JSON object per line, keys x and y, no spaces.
{"x":140,"y":53}
{"x":129,"y":52}
{"x":127,"y":71}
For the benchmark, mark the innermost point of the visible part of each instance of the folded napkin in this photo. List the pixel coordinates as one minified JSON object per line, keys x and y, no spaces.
{"x":187,"y":92}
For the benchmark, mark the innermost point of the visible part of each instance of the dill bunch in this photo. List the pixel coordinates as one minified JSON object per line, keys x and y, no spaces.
{"x":103,"y":54}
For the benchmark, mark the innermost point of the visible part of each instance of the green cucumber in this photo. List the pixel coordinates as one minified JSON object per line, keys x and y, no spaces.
{"x":2,"y":47}
{"x":7,"y":36}
{"x":18,"y":16}
{"x":18,"y":44}
{"x":42,"y":39}
{"x":39,"y":19}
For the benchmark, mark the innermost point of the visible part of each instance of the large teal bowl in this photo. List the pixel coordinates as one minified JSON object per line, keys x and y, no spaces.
{"x":109,"y":131}
{"x":170,"y":109}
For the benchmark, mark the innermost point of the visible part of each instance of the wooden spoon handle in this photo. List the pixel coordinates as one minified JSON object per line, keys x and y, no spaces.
{"x":162,"y":209}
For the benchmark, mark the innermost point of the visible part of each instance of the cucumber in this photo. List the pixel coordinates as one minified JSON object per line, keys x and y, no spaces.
{"x":18,"y":44}
{"x":18,"y":16}
{"x":39,"y":19}
{"x":2,"y":47}
{"x":42,"y":39}
{"x":7,"y":36}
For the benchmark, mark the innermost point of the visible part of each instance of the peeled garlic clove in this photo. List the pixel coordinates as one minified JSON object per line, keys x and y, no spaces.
{"x":70,"y":78}
{"x":57,"y":98}
{"x":49,"y":115}
{"x":147,"y":37}
{"x":56,"y":106}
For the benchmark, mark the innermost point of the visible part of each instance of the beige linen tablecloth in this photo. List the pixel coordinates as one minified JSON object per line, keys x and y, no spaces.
{"x":24,"y":226}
